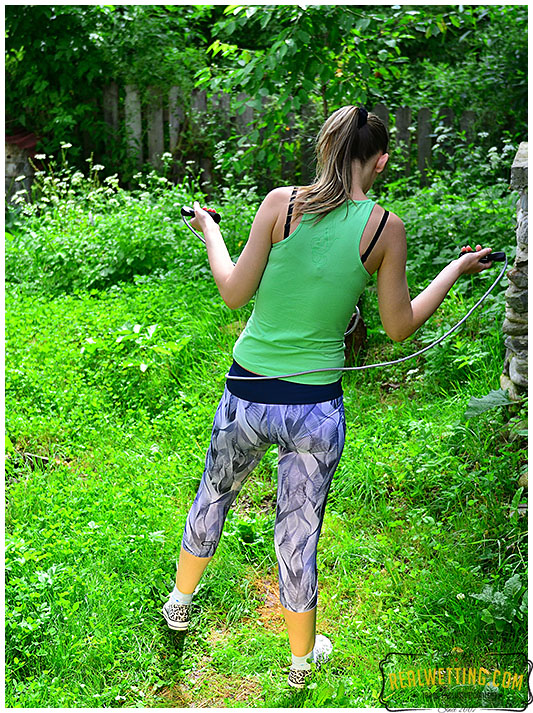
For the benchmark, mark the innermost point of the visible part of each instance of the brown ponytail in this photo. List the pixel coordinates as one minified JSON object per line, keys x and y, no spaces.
{"x":346,"y":135}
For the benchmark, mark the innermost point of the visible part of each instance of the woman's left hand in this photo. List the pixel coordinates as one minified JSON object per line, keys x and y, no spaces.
{"x":469,"y":261}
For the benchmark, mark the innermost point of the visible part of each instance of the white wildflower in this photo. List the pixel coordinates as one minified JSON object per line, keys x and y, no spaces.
{"x":66,"y":146}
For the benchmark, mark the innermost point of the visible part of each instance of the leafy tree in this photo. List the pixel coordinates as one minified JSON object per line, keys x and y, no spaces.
{"x":294,"y":63}
{"x":54,"y":71}
{"x":299,"y":61}
{"x":60,"y":58}
{"x":482,"y":66}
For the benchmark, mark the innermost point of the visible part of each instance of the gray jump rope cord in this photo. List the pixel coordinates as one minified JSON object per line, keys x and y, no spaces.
{"x":368,"y":366}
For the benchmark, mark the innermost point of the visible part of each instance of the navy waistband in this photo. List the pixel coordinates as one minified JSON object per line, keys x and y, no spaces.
{"x":278,"y":391}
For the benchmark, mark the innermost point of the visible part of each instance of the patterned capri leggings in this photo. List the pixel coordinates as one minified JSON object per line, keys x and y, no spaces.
{"x":310,"y":439}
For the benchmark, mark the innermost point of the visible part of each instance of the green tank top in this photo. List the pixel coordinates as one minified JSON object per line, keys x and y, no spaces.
{"x":307,"y":294}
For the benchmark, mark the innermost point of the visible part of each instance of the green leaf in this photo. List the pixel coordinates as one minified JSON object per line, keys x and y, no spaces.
{"x":183,"y":341}
{"x":283,"y":51}
{"x":215,"y":47}
{"x":9,"y":446}
{"x":523,"y":605}
{"x":514,"y":503}
{"x":485,"y":403}
{"x":235,"y":9}
{"x":487,"y":616}
{"x":512,"y":586}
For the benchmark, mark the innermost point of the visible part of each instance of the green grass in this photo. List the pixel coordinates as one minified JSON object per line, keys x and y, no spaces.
{"x":103,"y":461}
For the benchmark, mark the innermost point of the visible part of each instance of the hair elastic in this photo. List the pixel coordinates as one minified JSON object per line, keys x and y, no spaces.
{"x":362,"y":117}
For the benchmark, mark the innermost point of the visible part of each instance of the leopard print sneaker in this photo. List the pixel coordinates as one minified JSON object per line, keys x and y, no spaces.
{"x":176,"y":615}
{"x":320,"y":654}
{"x":298,"y":677}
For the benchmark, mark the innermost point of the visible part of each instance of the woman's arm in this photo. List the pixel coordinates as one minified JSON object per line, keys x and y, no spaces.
{"x":400,"y":315}
{"x":237,"y":283}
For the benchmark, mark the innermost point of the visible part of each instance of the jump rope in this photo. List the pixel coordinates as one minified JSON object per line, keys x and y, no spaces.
{"x":187,"y":212}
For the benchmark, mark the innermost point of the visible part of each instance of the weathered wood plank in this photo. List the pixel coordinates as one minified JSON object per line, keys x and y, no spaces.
{"x":110,"y":101}
{"x":133,"y":122}
{"x":156,"y":134}
{"x":403,"y":135}
{"x":424,"y":142}
{"x":176,"y":116}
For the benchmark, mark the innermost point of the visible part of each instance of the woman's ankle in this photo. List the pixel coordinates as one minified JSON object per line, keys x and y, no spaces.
{"x":302,"y":663}
{"x":181,"y":597}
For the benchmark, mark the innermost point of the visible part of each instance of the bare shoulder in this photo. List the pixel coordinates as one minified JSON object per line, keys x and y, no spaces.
{"x":279,"y":196}
{"x":394,"y":232}
{"x":275,"y":202}
{"x":274,"y":205}
{"x":394,"y":223}
{"x":392,"y":246}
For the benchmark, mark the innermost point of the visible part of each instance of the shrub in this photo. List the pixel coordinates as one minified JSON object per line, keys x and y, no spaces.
{"x":80,"y":233}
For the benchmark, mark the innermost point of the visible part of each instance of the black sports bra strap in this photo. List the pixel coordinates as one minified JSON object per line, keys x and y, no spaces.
{"x":376,"y":236}
{"x":289,"y":212}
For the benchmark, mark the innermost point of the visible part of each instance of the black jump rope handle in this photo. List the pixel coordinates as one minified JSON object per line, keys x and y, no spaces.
{"x":188,"y":212}
{"x":491,"y":257}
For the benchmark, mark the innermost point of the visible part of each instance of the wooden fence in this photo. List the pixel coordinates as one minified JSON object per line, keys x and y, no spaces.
{"x":157,"y":125}
{"x":148,"y":138}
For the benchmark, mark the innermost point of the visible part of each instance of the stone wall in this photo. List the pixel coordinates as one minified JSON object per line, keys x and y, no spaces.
{"x":514,"y":377}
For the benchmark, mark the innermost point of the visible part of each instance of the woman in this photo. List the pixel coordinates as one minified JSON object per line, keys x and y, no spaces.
{"x":309,"y":256}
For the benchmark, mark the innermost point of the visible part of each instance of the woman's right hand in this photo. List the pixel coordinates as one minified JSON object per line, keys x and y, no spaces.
{"x":469,"y":263}
{"x":202,"y":220}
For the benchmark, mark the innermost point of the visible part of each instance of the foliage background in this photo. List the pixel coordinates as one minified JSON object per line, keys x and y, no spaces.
{"x":295,"y":63}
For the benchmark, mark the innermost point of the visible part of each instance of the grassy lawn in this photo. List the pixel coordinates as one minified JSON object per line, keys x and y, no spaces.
{"x":418,"y":518}
{"x":110,"y":395}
